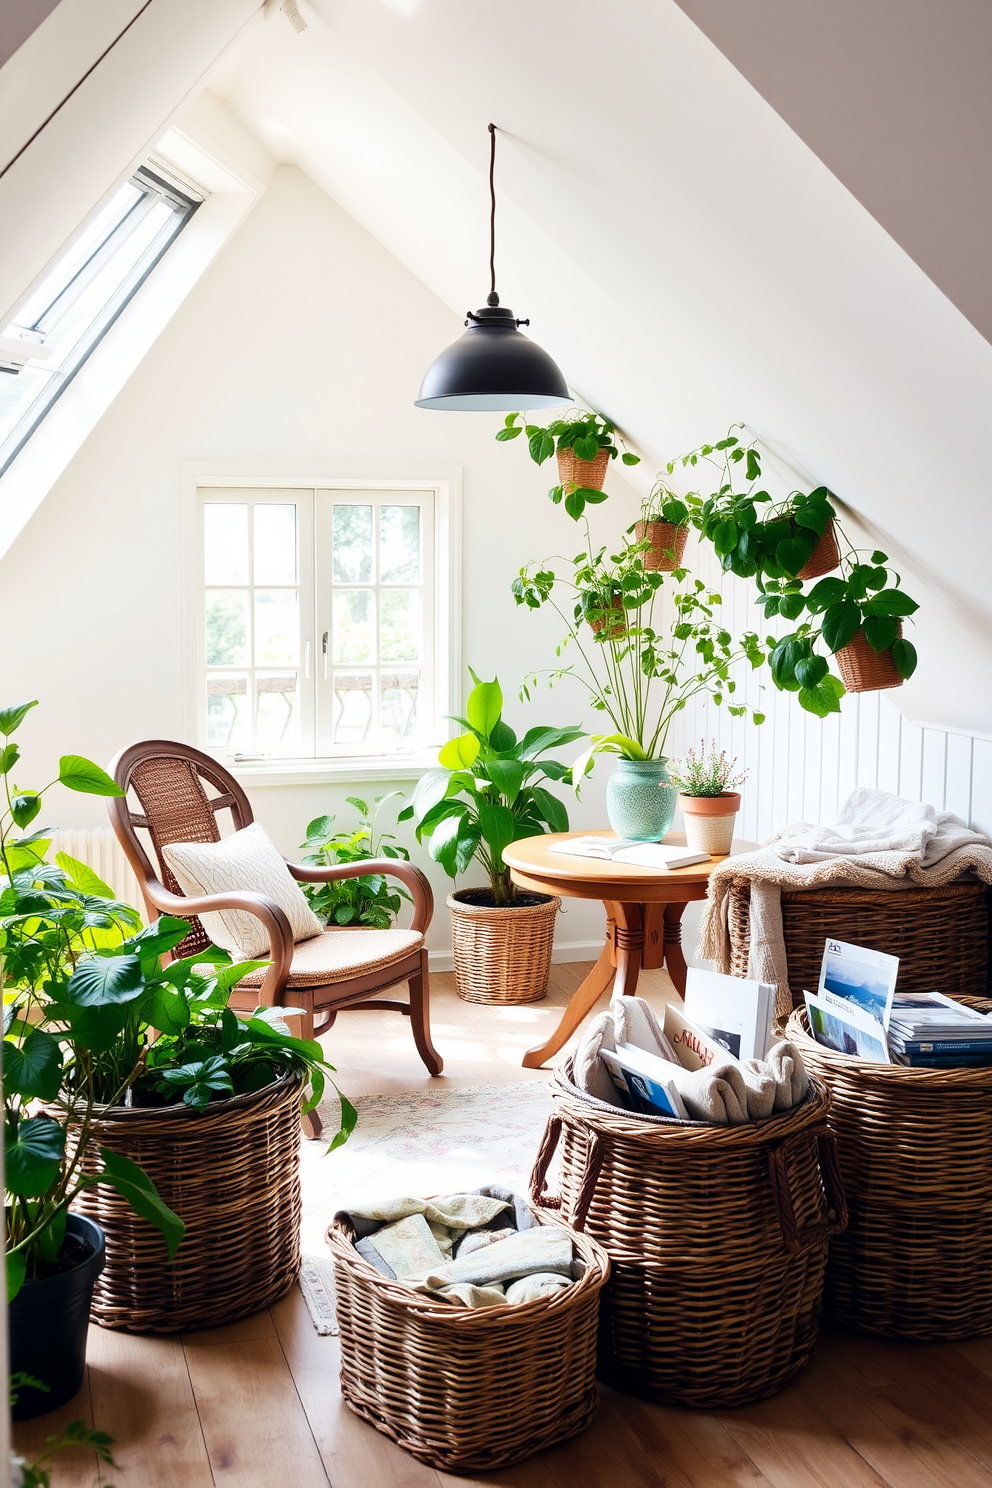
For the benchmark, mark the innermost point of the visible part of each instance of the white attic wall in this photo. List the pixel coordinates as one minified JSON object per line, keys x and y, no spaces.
{"x":681,"y":252}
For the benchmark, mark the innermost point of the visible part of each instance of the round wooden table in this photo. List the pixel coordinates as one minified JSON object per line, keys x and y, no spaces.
{"x":644,"y":908}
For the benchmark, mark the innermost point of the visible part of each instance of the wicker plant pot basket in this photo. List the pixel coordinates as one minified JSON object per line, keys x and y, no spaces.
{"x":667,"y":544}
{"x":232,"y":1174}
{"x":587,"y":474}
{"x":863,"y":669}
{"x":717,"y":1238}
{"x":467,"y":1389}
{"x":824,"y":558}
{"x":915,"y":1149}
{"x":502,"y":955}
{"x":941,"y":935}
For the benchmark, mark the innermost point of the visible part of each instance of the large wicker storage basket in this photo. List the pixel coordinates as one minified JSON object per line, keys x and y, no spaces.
{"x":915,"y":1149}
{"x":940,"y":935}
{"x":232,"y":1173}
{"x":467,"y":1389}
{"x":502,"y":955}
{"x":717,"y":1238}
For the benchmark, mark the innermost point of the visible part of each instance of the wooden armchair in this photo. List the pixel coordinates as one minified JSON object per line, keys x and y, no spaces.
{"x":180,"y":792}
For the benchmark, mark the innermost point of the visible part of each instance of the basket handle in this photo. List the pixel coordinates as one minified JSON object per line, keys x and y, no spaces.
{"x":546,"y":1151}
{"x":795,"y":1239}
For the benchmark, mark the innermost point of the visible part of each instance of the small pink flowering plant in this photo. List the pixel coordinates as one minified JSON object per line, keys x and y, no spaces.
{"x":708,"y":773}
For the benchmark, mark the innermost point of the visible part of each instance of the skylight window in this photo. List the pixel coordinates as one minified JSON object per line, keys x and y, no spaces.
{"x":67,"y":314}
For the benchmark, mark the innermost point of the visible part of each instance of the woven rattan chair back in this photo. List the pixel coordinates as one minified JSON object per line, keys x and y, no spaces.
{"x":170,"y":782}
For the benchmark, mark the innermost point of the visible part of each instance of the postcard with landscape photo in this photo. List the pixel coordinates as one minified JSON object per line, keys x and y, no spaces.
{"x":860,"y":978}
{"x":848,"y":1032}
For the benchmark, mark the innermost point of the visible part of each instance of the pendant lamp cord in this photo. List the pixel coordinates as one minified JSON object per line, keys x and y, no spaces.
{"x":492,"y":209}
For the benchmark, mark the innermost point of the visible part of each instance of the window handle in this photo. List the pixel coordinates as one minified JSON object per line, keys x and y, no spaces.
{"x":306,"y":660}
{"x":323,"y":647}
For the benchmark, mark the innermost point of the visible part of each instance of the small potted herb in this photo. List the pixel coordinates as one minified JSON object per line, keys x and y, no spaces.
{"x":584,"y":444}
{"x":707,"y":799}
{"x":663,"y":529}
{"x":370,"y":901}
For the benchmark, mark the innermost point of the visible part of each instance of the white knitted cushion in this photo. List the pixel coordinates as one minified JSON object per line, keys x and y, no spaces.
{"x":247,"y":860}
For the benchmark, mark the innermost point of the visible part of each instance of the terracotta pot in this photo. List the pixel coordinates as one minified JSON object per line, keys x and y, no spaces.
{"x":824,"y":558}
{"x":862,"y":669}
{"x":666,"y":540}
{"x":620,"y":629}
{"x":590,"y":474}
{"x":710,"y":821}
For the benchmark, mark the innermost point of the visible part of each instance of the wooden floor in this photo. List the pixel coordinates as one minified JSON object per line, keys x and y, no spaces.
{"x":256,"y":1404}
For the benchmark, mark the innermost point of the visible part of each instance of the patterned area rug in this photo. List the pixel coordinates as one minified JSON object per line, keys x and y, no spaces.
{"x":423,"y":1142}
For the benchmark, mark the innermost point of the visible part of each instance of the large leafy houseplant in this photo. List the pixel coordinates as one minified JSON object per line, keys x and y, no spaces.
{"x":578,"y":432}
{"x":489,"y":791}
{"x":370,"y":901}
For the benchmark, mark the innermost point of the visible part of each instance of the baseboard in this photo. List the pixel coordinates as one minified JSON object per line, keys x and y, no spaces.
{"x":567,"y":950}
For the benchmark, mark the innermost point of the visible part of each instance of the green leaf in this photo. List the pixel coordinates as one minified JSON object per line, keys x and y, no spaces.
{"x":17,"y":1265}
{"x":9,"y":756}
{"x":166,"y":1011}
{"x":551,"y":809}
{"x":791,"y":554}
{"x":12,"y":718}
{"x":536,"y":740}
{"x":431,"y":788}
{"x":841,"y":623}
{"x":822,"y":699}
{"x":79,"y":774}
{"x":134,"y":1184}
{"x":891,"y":602}
{"x":507,"y":776}
{"x":453,"y":843}
{"x":810,"y":670}
{"x":725,"y":533}
{"x":904,"y":656}
{"x":629,"y":459}
{"x":349,"y":1119}
{"x":575,"y":504}
{"x":101,"y":980}
{"x":34,"y":1067}
{"x":33,"y":1156}
{"x":505,"y":434}
{"x":24,"y":807}
{"x":502,"y":738}
{"x":460,"y":753}
{"x":499,"y":829}
{"x":587,"y":448}
{"x":790,"y":606}
{"x":880,"y":631}
{"x":824,"y":594}
{"x":82,"y":877}
{"x":484,"y":706}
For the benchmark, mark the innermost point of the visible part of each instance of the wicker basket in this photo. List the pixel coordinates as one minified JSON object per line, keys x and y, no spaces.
{"x":502,"y":955}
{"x":940,"y":935}
{"x":617,"y":630}
{"x":232,"y":1173}
{"x":915,"y":1149}
{"x":717,"y":1238}
{"x":863,"y":669}
{"x":667,"y":544}
{"x":587,"y":474}
{"x":825,"y":555}
{"x":467,"y":1389}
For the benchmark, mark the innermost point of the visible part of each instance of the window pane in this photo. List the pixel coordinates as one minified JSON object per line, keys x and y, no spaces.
{"x":399,"y":544}
{"x":400,"y":691}
{"x":225,"y":543}
{"x":18,"y":391}
{"x":227,"y":627}
{"x":277,"y":627}
{"x":352,"y":707}
{"x":352,"y":563}
{"x":353,"y":635}
{"x":228,"y":716}
{"x":275,"y":543}
{"x":401,"y":624}
{"x":276,"y":709}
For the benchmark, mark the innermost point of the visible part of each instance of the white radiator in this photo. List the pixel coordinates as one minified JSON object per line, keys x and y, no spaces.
{"x":99,"y":849}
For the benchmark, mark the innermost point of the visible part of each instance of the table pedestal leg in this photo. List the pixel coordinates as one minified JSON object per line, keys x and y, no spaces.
{"x":583,"y":1001}
{"x":674,"y":957}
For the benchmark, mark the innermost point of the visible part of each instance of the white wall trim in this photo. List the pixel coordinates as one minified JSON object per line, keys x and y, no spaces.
{"x":564,"y":951}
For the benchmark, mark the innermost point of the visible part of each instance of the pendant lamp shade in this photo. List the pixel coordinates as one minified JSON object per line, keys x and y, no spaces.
{"x":493,"y":368}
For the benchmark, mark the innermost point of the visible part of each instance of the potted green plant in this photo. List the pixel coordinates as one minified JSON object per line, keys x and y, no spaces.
{"x":707,"y":799}
{"x":488,"y":791}
{"x":641,"y":672}
{"x":370,"y":901}
{"x":663,"y":528}
{"x":855,"y":614}
{"x":584,"y":443}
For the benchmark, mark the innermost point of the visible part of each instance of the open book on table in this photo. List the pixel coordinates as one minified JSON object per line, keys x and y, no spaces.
{"x":629,"y":850}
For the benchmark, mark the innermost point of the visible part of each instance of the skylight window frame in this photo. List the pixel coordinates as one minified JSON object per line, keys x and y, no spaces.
{"x":185,"y":199}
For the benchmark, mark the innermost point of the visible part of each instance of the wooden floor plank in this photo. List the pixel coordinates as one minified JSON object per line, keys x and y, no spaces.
{"x":254,"y":1426}
{"x":75,"y":1468}
{"x":690,"y":1448}
{"x":792,"y":1442}
{"x":142,"y":1395}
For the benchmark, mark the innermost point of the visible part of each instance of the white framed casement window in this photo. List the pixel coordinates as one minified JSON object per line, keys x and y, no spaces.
{"x":322,"y":617}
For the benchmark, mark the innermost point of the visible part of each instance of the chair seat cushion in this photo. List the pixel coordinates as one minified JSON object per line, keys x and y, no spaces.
{"x":337,"y":955}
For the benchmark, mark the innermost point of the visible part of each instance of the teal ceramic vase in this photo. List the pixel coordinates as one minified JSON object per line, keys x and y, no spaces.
{"x":640,"y":799}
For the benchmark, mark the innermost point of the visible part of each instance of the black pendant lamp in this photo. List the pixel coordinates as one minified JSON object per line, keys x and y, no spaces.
{"x":492,"y":367}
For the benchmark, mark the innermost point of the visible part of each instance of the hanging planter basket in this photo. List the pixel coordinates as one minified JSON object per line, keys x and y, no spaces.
{"x":667,"y":545}
{"x":587,"y":474}
{"x":824,"y":558}
{"x":863,"y":669}
{"x":616,"y":630}
{"x":502,"y":955}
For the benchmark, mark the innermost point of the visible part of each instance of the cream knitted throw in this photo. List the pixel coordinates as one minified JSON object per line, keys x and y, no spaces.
{"x":878,"y":841}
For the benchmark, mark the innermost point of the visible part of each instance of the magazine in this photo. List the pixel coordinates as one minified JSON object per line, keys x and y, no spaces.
{"x":930,"y":1029}
{"x":853,"y":978}
{"x":642,"y":1077}
{"x":732,"y":1012}
{"x":847,"y":1028}
{"x":629,"y":850}
{"x":694,"y":1049}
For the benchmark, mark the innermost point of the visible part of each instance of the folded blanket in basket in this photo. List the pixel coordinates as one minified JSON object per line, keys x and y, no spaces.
{"x":728,"y":1093}
{"x":474,"y":1250}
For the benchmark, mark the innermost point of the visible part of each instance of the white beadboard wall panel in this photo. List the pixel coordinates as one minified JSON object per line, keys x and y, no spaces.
{"x":802,"y":768}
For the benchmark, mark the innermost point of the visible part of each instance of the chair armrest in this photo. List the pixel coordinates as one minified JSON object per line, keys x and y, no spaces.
{"x":273,"y":918}
{"x":416,"y":882}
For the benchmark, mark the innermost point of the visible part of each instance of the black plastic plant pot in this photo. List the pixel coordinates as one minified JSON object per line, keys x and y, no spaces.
{"x":48,"y":1322}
